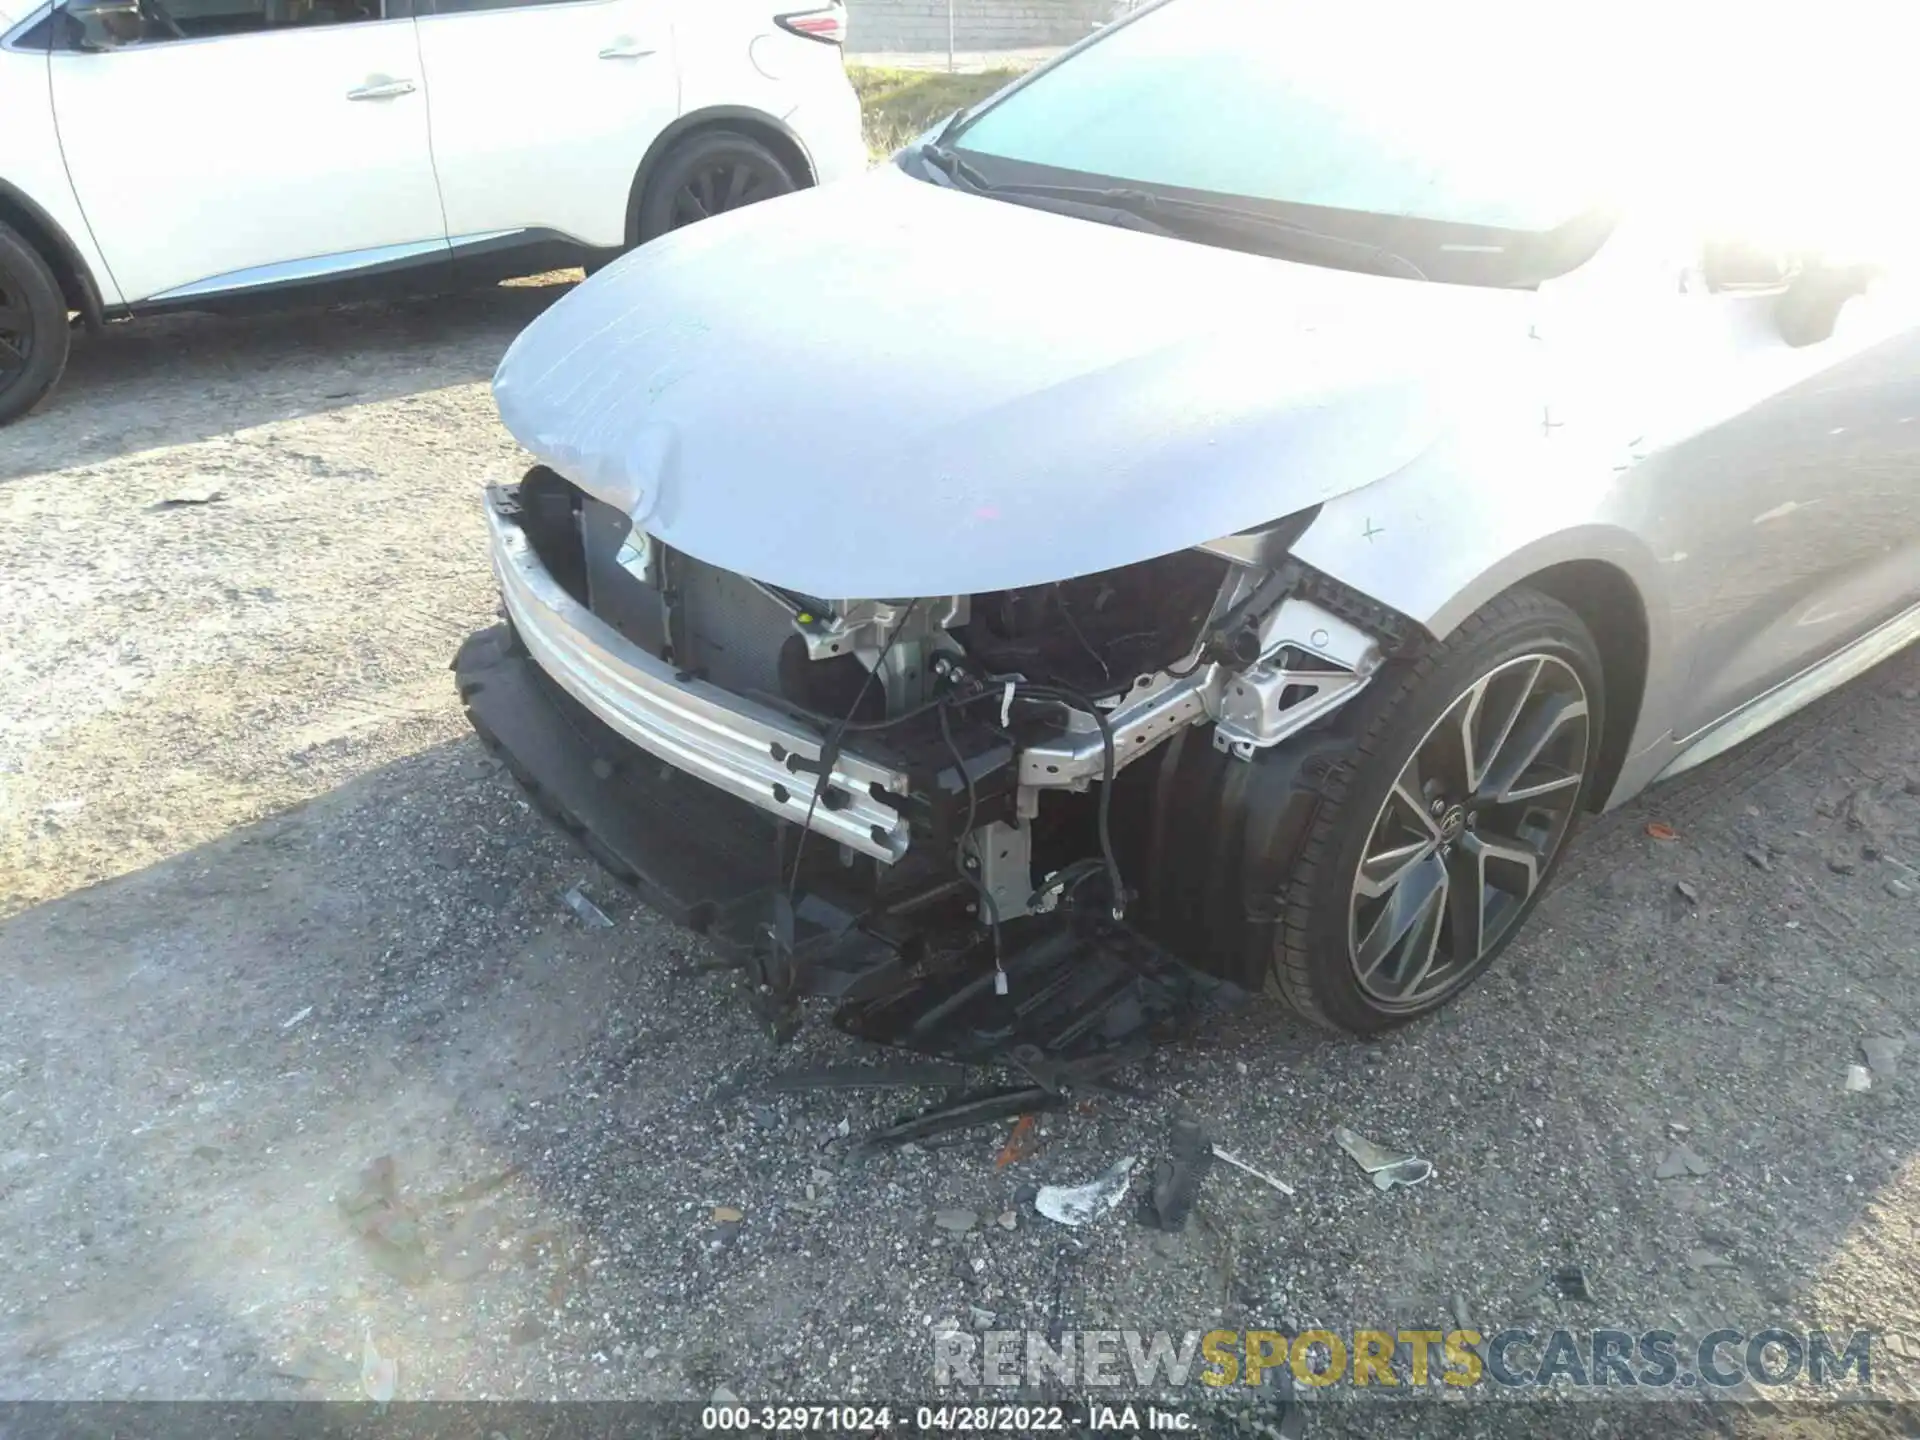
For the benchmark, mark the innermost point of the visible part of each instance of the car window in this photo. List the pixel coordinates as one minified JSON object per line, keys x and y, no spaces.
{"x":159,"y":22}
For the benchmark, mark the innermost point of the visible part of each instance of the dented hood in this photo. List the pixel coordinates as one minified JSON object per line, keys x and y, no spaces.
{"x":886,"y":388}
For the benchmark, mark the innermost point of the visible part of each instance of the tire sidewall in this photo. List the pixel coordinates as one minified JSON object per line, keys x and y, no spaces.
{"x":1406,"y":714}
{"x":28,"y":272}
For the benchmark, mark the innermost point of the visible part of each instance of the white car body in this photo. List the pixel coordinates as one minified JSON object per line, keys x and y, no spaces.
{"x":384,"y":147}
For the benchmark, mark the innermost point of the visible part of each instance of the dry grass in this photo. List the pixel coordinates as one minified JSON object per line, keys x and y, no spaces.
{"x":898,"y":104}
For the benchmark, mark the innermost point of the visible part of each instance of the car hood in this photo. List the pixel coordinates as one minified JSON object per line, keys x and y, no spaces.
{"x":888,"y":388}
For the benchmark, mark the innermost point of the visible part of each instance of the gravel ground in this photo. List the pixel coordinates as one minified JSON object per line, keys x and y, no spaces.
{"x":272,"y":917}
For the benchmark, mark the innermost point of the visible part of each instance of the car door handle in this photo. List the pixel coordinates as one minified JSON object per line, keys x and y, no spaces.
{"x":625,"y":50}
{"x":380,"y":89}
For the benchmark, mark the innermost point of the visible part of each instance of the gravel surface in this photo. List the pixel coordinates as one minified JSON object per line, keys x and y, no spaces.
{"x":300,"y":1047}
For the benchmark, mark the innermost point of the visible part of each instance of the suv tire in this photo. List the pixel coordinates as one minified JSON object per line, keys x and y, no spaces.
{"x":34,"y":331}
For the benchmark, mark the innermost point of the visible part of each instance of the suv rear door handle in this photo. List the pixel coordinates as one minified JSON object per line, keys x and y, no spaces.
{"x":380,"y":88}
{"x":625,"y":50}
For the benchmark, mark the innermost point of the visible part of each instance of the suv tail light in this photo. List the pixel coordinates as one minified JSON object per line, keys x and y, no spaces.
{"x":828,"y":23}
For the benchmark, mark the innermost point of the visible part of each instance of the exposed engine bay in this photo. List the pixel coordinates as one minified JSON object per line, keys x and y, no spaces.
{"x":1010,"y":715}
{"x":963,"y":756}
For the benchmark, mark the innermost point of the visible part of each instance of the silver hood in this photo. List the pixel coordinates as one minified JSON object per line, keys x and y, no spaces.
{"x":887,"y":388}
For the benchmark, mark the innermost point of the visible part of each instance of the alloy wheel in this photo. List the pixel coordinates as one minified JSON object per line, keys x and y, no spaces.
{"x":727,"y":184}
{"x":1468,"y":831}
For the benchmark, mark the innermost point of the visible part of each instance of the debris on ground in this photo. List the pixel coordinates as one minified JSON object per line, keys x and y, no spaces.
{"x":1687,"y":891}
{"x":1020,"y":1145}
{"x":1007,"y":1220}
{"x":1883,"y":1054}
{"x":977,"y":1107}
{"x":1899,"y":889}
{"x":1759,"y":859}
{"x":957,"y":1222}
{"x":386,"y":1227}
{"x":295,"y":1018}
{"x":1571,"y":1283}
{"x":1859,"y":1078}
{"x":318,"y":1367}
{"x":1659,"y":830}
{"x":1221,"y":1153}
{"x":1387,"y":1168}
{"x":591,"y":915}
{"x":983,"y":1318}
{"x":1078,"y":1205}
{"x":1175,"y":1184}
{"x":727,"y":1214}
{"x":1679,"y":1161}
{"x":185,"y":500}
{"x":1703,"y":1259}
{"x":379,"y":1374}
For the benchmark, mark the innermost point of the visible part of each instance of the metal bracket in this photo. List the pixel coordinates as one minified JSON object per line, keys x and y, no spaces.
{"x":1004,"y":854}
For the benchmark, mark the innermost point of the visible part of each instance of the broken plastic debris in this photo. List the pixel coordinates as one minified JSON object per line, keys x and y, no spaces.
{"x":1859,"y":1078}
{"x":1680,"y":1160}
{"x":378,"y":1373}
{"x":1239,"y":1164}
{"x":1661,"y":831}
{"x":1020,"y":1144}
{"x":724,"y":1213}
{"x":1387,"y":1168}
{"x":295,"y":1018}
{"x":958,"y":1222}
{"x":1883,"y":1054}
{"x":1078,"y":1205}
{"x":590,"y":914}
{"x":1175,"y":1184}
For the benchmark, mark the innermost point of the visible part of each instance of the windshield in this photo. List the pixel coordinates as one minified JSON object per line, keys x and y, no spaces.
{"x":1347,"y":118}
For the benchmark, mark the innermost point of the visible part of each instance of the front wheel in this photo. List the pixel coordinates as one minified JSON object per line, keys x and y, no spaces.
{"x":1437,"y":836}
{"x":33,"y":327}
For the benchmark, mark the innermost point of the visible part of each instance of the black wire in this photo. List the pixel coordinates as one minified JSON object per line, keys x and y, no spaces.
{"x":1063,"y":695}
{"x":972,"y":877}
{"x":1106,"y":670}
{"x":830,"y":748}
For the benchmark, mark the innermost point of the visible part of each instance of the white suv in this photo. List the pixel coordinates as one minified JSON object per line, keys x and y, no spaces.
{"x":197,"y":154}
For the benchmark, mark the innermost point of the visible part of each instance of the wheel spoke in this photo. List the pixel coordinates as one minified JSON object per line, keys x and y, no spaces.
{"x":1384,"y":869}
{"x":1514,"y":711}
{"x":1406,"y":791}
{"x":1526,"y":741}
{"x":737,"y":178}
{"x":13,"y":318}
{"x":1421,"y":887}
{"x":1415,"y":915}
{"x":12,"y":357}
{"x":1507,"y":853}
{"x":1467,"y":904}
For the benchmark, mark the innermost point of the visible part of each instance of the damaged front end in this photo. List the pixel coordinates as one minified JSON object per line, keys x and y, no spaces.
{"x":921,"y":806}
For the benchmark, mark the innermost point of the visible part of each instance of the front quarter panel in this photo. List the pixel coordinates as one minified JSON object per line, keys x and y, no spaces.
{"x":31,"y":168}
{"x":1473,"y":517}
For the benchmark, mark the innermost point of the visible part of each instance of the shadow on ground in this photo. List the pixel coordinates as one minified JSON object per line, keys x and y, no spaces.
{"x":174,"y":379}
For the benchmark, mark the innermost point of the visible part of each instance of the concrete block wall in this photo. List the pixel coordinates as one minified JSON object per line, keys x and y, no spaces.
{"x":977,"y":24}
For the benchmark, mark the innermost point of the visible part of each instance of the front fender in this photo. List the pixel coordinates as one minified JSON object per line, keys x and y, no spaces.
{"x":1442,"y":537}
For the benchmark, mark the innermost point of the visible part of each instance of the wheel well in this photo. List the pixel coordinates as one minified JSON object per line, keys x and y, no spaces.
{"x":750,"y":123}
{"x":1610,"y":606}
{"x":39,"y":231}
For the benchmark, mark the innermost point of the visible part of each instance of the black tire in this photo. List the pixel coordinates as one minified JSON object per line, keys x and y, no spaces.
{"x":708,"y":174}
{"x":1253,"y":867}
{"x":34,"y":333}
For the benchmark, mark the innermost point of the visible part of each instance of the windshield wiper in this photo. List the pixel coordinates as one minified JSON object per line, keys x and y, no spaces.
{"x":949,"y":163}
{"x":965,"y":175}
{"x":1161,"y":209}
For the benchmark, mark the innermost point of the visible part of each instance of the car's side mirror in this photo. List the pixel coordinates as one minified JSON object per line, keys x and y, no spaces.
{"x":1809,"y":308}
{"x":106,"y":24}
